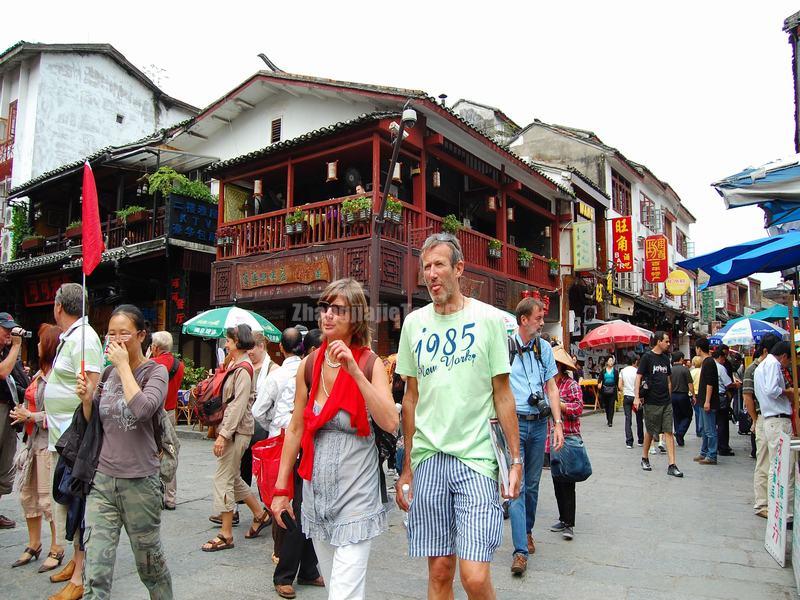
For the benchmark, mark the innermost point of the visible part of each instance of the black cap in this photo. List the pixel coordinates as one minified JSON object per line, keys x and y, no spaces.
{"x":7,"y":321}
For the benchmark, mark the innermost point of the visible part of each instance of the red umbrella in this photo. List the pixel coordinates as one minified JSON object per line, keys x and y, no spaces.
{"x":615,"y":334}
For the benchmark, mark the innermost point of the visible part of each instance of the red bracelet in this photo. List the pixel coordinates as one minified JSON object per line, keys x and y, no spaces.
{"x":281,"y":492}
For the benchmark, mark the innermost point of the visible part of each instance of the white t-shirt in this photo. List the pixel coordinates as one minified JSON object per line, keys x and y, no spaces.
{"x":628,"y":378}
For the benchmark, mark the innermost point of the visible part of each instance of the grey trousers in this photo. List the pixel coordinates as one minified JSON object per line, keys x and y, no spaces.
{"x":171,"y":488}
{"x":8,"y":448}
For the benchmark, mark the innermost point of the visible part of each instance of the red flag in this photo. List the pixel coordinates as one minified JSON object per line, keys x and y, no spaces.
{"x":92,"y":236}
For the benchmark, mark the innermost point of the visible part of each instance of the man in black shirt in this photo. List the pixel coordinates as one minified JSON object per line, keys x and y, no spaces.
{"x":654,"y":390}
{"x":13,"y":382}
{"x":708,"y":398}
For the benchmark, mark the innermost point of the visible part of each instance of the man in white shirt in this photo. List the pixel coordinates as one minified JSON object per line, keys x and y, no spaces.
{"x":270,"y":392}
{"x":627,"y":377}
{"x":776,"y":408}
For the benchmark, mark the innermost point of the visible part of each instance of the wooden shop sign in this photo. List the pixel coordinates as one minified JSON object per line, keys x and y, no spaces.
{"x":284,"y":272}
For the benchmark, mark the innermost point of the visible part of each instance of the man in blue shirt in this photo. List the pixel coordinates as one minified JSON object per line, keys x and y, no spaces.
{"x":533,"y":371}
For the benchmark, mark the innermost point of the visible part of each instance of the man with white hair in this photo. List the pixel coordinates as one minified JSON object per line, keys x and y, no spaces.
{"x":161,"y":352}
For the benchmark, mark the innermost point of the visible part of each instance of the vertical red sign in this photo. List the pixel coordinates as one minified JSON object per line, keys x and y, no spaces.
{"x":623,"y":244}
{"x":656,"y":263}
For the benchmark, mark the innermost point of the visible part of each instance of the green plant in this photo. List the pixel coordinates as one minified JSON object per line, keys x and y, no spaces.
{"x":553,"y":264}
{"x":363,"y":203}
{"x":297,"y":216}
{"x":524,"y":255}
{"x":168,"y":181}
{"x":32,"y":237}
{"x":20,"y":228}
{"x":393,"y":205}
{"x":192,"y":375}
{"x":451,"y":224}
{"x":126,"y":212}
{"x":75,"y":224}
{"x":495,"y":244}
{"x":348,"y":206}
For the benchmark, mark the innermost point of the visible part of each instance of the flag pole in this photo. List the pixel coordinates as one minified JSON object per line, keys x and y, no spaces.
{"x":83,"y":329}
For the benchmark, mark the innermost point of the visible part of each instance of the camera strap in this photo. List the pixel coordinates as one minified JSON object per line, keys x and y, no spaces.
{"x":537,"y":352}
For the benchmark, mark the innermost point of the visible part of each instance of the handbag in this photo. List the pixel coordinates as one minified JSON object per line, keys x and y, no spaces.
{"x":608,"y":390}
{"x":266,"y":464}
{"x":571,"y":463}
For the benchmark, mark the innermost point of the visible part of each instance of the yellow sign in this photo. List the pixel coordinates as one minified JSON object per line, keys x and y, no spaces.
{"x":678,"y":283}
{"x":585,"y":210}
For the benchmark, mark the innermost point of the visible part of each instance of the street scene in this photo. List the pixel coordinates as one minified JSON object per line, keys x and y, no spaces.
{"x":396,"y":302}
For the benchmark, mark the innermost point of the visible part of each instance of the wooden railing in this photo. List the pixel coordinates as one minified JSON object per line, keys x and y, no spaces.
{"x":324,"y":224}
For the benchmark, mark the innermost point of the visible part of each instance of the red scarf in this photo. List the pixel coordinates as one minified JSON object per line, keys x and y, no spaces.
{"x":345,"y":396}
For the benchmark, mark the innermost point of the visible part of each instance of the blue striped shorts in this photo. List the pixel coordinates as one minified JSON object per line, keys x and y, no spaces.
{"x":454,"y":510}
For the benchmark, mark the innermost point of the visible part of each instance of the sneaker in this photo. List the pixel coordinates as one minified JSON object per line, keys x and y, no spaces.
{"x":662,"y":449}
{"x":629,"y":446}
{"x":706,"y":461}
{"x":646,"y":465}
{"x":640,"y":444}
{"x":674,"y":471}
{"x":698,"y":458}
{"x":653,"y":450}
{"x":568,"y":534}
{"x":519,"y":564}
{"x":557,"y":527}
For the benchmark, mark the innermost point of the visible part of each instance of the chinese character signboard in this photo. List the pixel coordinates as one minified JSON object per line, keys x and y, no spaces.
{"x":286,"y":272}
{"x":655,"y":259}
{"x":192,"y":220}
{"x":41,"y":291}
{"x":623,"y":239}
{"x":177,"y":299}
{"x":777,"y":500}
{"x":708,"y":310}
{"x":584,"y":254}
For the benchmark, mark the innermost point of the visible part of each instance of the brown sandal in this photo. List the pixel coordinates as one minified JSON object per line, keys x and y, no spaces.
{"x":218,"y":543}
{"x":261,"y":523}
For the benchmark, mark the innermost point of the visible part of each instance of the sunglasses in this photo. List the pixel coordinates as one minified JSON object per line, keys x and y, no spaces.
{"x":339,"y":310}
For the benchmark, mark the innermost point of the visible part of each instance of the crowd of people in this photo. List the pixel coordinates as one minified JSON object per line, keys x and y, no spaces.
{"x":98,"y":419}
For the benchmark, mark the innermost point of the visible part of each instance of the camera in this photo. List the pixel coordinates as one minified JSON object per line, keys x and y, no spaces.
{"x":538,"y":400}
{"x":20,"y":332}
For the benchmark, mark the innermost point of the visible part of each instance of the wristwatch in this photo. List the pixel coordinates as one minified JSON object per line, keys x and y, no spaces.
{"x":558,"y":422}
{"x":516,"y":461}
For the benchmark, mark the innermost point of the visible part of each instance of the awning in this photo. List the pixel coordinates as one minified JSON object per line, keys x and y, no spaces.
{"x":775,"y":181}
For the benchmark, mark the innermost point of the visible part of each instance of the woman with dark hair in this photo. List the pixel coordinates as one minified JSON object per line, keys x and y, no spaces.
{"x":233,"y":439}
{"x":34,"y":474}
{"x":341,"y":508}
{"x":126,"y":489}
{"x":608,"y":382}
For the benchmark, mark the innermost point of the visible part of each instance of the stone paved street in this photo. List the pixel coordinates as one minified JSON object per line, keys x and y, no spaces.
{"x":638,"y":536}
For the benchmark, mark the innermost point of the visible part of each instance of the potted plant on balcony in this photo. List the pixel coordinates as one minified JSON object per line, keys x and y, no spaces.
{"x":524,"y":257}
{"x":554,"y":267}
{"x":132,"y":214}
{"x":298,"y":220}
{"x":168,"y":181}
{"x":394,"y":209}
{"x":32,"y":242}
{"x":495,"y":249}
{"x":363,"y":209}
{"x":451,"y":224}
{"x":348,"y":211}
{"x":74,"y":230}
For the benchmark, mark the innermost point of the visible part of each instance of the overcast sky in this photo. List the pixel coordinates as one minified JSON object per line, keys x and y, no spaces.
{"x":694,"y":90}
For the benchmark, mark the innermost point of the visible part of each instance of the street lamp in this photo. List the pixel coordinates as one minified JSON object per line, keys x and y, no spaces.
{"x":408,"y":120}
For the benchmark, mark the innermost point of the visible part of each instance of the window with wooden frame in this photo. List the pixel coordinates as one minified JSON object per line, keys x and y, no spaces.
{"x":667,"y":227}
{"x":647,"y":287}
{"x":275,"y":131}
{"x":681,"y":243}
{"x":755,"y":293}
{"x":732,"y":294}
{"x":620,"y":193}
{"x":647,"y":209}
{"x":11,"y":130}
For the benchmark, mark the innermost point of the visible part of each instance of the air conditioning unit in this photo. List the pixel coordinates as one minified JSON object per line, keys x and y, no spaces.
{"x":719,"y":303}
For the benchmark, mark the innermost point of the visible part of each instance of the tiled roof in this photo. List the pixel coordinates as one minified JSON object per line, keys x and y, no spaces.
{"x":316,"y":134}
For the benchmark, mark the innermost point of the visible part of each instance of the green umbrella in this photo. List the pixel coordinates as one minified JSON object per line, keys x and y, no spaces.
{"x":215,"y":322}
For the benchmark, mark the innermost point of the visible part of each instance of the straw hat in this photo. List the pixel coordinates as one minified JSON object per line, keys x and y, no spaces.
{"x":563,"y":357}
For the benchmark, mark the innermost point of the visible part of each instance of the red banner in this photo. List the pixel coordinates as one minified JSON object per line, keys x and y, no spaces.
{"x":656,"y":262}
{"x":623,"y":244}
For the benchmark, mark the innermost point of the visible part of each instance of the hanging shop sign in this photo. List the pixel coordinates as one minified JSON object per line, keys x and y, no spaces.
{"x":678,"y":283}
{"x":708,"y":310}
{"x":584,"y":254}
{"x":623,"y":244}
{"x":585,"y":211}
{"x":656,"y":262}
{"x":177,"y":299}
{"x":193,"y":220}
{"x":298,"y":271}
{"x":41,"y":291}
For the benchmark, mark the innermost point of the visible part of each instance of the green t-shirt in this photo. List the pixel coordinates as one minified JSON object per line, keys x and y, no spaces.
{"x":454,"y":358}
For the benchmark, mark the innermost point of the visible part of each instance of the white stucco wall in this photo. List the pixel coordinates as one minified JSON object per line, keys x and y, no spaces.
{"x":251,"y":129}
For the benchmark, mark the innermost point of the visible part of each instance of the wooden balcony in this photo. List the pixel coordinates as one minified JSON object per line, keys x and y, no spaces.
{"x":324,"y":224}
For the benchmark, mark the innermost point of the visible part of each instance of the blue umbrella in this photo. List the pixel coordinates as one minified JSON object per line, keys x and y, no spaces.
{"x":778,"y":180}
{"x":746,"y":332}
{"x":765,"y":255}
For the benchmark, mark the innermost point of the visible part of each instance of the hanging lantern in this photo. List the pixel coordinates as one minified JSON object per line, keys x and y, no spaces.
{"x":510,"y":213}
{"x":547,"y":231}
{"x":396,"y":174}
{"x":333,"y":171}
{"x":258,"y":186}
{"x":139,"y":190}
{"x":437,"y":179}
{"x":144,"y":187}
{"x":491,"y":203}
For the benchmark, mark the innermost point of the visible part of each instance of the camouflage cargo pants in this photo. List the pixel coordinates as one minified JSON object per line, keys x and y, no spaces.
{"x":136,"y":505}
